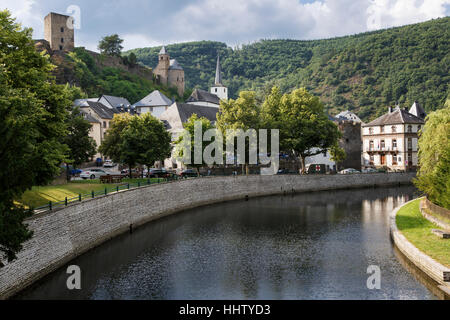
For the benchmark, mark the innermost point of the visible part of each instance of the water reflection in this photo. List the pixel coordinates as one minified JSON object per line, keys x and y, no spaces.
{"x":307,"y":246}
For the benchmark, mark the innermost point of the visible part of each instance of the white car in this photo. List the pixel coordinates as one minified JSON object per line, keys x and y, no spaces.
{"x":349,"y":171}
{"x":369,"y":170}
{"x":108,"y":164}
{"x":93,"y":174}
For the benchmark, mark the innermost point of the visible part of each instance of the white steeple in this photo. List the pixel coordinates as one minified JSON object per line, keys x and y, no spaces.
{"x":219,"y":89}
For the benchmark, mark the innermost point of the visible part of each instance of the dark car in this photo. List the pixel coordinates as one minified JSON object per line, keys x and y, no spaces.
{"x":188,"y":173}
{"x":158,"y":173}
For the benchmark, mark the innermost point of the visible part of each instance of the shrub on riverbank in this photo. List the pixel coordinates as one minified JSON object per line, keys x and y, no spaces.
{"x":433,"y":176}
{"x":417,"y":230}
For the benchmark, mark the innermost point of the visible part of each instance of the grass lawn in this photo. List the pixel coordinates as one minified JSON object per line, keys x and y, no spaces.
{"x":417,"y":230}
{"x":40,"y":196}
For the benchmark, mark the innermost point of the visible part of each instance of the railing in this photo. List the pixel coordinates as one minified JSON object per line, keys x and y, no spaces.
{"x":52,"y":205}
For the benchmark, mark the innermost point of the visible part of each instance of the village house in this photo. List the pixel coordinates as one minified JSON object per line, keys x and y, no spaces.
{"x":391,"y":141}
{"x":96,"y":129}
{"x":155,"y":103}
{"x":103,"y":115}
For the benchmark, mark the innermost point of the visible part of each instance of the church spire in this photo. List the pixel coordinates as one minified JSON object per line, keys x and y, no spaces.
{"x":218,"y":80}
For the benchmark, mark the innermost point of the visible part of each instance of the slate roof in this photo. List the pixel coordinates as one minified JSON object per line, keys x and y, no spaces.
{"x":418,"y":111}
{"x":186,"y":110}
{"x":174,"y":65}
{"x":218,"y":80}
{"x":203,"y":96}
{"x":116,"y":101}
{"x":101,"y":110}
{"x":347,"y":115}
{"x":83,"y":102}
{"x":398,"y":116}
{"x":154,"y":99}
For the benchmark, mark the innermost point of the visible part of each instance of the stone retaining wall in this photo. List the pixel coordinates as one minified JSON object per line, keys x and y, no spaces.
{"x":429,"y":266}
{"x":61,"y":235}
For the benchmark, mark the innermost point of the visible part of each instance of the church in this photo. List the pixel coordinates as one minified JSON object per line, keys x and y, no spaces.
{"x":169,"y":72}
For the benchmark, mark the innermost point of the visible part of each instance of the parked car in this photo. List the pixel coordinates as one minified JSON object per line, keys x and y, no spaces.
{"x":93,"y":174}
{"x":283,"y":171}
{"x":108,"y":164}
{"x":369,"y":170}
{"x":349,"y":171}
{"x":188,"y":173}
{"x":75,"y":172}
{"x":158,"y":173}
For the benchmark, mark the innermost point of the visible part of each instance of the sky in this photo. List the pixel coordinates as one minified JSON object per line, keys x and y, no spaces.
{"x":146,"y":23}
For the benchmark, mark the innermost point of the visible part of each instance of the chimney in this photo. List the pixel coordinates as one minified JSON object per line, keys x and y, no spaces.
{"x":390,"y":109}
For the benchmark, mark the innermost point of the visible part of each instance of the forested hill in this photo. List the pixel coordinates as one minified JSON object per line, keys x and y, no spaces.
{"x":363,"y":73}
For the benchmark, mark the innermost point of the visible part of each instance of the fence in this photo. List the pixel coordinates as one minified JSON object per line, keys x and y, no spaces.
{"x":52,"y":205}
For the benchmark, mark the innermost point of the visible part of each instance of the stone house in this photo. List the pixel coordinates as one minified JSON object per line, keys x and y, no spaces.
{"x":391,"y":140}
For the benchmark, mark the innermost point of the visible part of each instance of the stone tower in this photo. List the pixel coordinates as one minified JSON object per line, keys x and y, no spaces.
{"x":162,"y":69}
{"x":59,"y":32}
{"x":169,"y":72}
{"x":219,"y":89}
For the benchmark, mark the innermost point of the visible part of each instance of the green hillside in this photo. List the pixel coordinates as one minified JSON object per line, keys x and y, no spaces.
{"x":363,"y":73}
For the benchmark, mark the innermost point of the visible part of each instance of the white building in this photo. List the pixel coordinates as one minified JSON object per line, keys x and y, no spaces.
{"x":218,"y":88}
{"x":155,"y":103}
{"x":392,"y":140}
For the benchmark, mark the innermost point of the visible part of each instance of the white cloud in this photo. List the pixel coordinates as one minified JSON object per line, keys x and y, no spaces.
{"x":389,"y":13}
{"x":25,"y":13}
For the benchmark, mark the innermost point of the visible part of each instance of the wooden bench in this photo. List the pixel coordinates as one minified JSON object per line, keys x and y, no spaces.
{"x":111,"y":178}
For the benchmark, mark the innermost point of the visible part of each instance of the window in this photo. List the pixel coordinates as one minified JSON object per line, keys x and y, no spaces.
{"x":216,"y":89}
{"x":60,"y":47}
{"x":409,"y":144}
{"x":394,"y":129}
{"x":104,"y":124}
{"x":418,"y":128}
{"x":62,"y":29}
{"x":394,"y":159}
{"x":370,"y":130}
{"x":371,"y":145}
{"x":371,"y":159}
{"x":394,"y":143}
{"x":62,"y":40}
{"x":382,"y":144}
{"x":382,"y":129}
{"x":410,"y":128}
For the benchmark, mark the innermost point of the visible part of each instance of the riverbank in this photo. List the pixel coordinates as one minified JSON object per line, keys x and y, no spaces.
{"x":63,"y":234}
{"x":413,"y":236}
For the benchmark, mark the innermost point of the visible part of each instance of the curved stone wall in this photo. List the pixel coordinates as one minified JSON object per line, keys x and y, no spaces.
{"x":61,"y":235}
{"x":436,"y":271}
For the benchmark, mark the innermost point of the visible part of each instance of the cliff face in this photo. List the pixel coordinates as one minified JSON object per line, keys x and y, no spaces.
{"x":98,"y":74}
{"x":65,"y":71}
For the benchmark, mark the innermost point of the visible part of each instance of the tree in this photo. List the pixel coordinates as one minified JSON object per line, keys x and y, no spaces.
{"x":111,"y":45}
{"x":242,"y":113}
{"x":144,"y":141}
{"x":433,"y":176}
{"x":189,"y":126}
{"x":32,"y":122}
{"x":110,"y":146}
{"x":82,"y":147}
{"x":132,"y":60}
{"x":305,"y":128}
